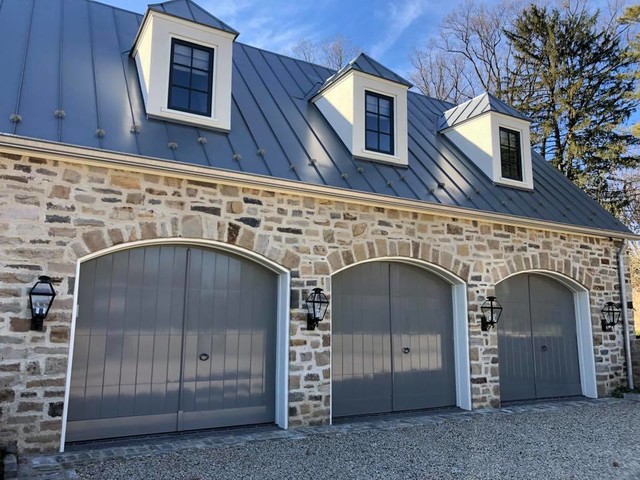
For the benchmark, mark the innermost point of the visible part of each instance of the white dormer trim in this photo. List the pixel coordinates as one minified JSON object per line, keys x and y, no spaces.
{"x":343,"y":106}
{"x":522,"y":127}
{"x":152,"y":53}
{"x":479,"y":139}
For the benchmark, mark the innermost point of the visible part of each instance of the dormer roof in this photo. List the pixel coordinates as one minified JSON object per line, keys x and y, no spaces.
{"x":365,"y":64}
{"x":475,"y":107}
{"x":188,"y":10}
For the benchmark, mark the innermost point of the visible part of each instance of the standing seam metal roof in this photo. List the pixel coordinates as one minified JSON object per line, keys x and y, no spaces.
{"x":91,"y":98}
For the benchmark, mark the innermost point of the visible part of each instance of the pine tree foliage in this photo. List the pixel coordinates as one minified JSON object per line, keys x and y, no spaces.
{"x":581,"y":77}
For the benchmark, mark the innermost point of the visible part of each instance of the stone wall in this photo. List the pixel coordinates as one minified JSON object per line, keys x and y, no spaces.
{"x":52,"y":213}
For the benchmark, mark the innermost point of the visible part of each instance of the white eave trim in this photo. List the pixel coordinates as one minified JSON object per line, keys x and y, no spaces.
{"x":87,"y":156}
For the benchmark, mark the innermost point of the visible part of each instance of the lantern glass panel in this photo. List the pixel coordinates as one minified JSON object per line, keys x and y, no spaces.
{"x":40,"y":303}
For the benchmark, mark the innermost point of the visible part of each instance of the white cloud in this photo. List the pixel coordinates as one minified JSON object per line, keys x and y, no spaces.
{"x":401,"y":15}
{"x":274,"y":26}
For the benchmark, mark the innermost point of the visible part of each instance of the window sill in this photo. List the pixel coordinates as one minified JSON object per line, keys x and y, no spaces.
{"x":178,"y":116}
{"x":507,"y":182}
{"x":382,"y":157}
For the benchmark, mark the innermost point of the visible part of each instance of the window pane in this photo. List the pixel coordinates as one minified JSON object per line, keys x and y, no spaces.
{"x":179,"y":98}
{"x":201,"y":59}
{"x":181,"y":54}
{"x":385,"y":107}
{"x":504,"y":137}
{"x":199,"y":102}
{"x":372,"y":141}
{"x":513,"y":139}
{"x":180,"y":76}
{"x":372,"y":104}
{"x":385,"y":143}
{"x":372,"y":121}
{"x":182,"y":50}
{"x":200,"y":80}
{"x":385,"y":125}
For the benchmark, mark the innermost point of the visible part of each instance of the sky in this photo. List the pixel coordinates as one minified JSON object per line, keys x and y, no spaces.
{"x":388,"y":30}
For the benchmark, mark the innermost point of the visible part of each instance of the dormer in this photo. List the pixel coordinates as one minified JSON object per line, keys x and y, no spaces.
{"x":184,"y":59}
{"x":366,"y":104}
{"x":495,"y":136}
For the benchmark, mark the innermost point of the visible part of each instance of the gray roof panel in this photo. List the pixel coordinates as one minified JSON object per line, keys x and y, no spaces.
{"x":44,"y":45}
{"x":15,"y":26}
{"x":78,"y":92}
{"x":188,"y":10}
{"x":82,"y":48}
{"x":114,"y":110}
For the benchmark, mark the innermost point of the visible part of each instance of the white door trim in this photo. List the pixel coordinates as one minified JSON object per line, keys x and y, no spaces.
{"x":584,"y":329}
{"x":282,"y":339}
{"x":460,"y":323}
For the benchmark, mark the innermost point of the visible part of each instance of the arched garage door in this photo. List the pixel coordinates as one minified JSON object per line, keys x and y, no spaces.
{"x":537,"y":341}
{"x":172,"y":338}
{"x":392,"y":336}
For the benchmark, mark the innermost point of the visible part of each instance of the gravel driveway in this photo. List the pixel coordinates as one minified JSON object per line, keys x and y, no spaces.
{"x":592,"y":441}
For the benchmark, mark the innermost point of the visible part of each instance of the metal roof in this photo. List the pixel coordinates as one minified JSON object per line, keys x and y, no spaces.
{"x":475,"y":107}
{"x":365,"y":64}
{"x":189,"y":10}
{"x":68,"y":74}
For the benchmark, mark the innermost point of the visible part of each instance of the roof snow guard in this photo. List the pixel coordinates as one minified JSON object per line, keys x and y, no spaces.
{"x":475,"y":107}
{"x":365,"y":64}
{"x":192,"y":12}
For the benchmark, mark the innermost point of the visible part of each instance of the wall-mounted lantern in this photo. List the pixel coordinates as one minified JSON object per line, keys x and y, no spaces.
{"x":317,"y":304}
{"x":610,"y":316}
{"x":491,"y":311}
{"x":41,"y":297}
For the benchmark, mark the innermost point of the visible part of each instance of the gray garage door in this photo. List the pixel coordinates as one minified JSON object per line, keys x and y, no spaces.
{"x":172,"y":338}
{"x":537,"y":340}
{"x":392,"y":340}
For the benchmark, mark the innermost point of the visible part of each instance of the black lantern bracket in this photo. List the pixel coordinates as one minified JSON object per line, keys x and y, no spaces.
{"x":491,"y":311}
{"x":610,"y":316}
{"x":317,"y":304}
{"x":41,"y":297}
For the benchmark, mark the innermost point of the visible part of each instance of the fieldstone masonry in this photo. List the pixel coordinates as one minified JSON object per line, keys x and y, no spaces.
{"x":52,"y":213}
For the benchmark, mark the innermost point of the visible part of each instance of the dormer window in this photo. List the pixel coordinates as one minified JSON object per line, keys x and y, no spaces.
{"x":494,"y":136}
{"x":184,"y":59}
{"x":379,"y":123}
{"x":510,"y":154}
{"x":366,"y":105}
{"x":190,"y":80}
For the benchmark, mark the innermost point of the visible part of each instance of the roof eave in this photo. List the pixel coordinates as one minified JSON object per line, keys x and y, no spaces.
{"x":74,"y":153}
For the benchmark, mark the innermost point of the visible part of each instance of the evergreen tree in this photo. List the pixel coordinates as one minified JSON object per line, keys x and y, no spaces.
{"x":583,"y":85}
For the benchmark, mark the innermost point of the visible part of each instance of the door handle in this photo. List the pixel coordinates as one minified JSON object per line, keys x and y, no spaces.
{"x":544,"y":348}
{"x":406,"y":350}
{"x":204,"y":357}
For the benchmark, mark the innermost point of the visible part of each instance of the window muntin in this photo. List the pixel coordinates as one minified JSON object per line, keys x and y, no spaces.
{"x":190,"y":80}
{"x":379,"y":123}
{"x":510,"y":154}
